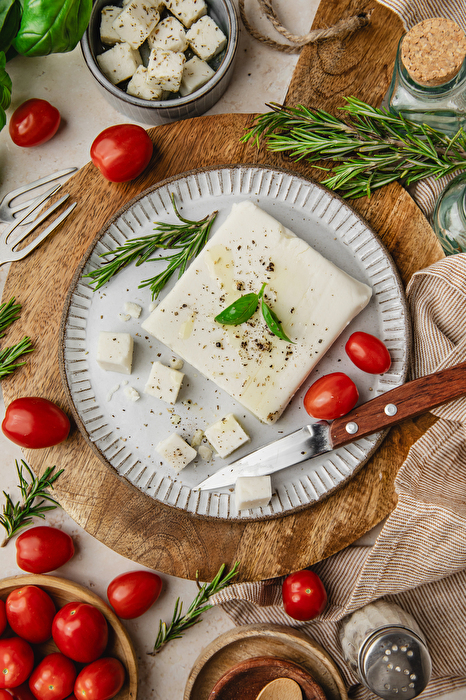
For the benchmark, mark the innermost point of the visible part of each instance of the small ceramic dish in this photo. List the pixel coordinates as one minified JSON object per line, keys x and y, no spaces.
{"x":154,"y":112}
{"x":62,"y":592}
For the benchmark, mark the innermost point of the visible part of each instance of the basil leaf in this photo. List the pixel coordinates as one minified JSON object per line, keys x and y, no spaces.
{"x":51,"y":26}
{"x":271,"y":319}
{"x":5,"y":90}
{"x":240,"y":311}
{"x":10,"y":16}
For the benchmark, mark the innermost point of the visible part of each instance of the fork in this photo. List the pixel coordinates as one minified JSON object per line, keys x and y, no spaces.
{"x":7,"y":213}
{"x":7,"y":249}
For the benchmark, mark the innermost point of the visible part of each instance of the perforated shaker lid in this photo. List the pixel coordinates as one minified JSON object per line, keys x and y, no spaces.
{"x":395,"y":663}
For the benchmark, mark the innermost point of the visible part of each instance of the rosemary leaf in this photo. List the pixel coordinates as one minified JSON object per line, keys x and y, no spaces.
{"x":369,"y":149}
{"x":188,"y":238}
{"x":9,"y":312}
{"x":180,"y":623}
{"x":8,"y":356}
{"x":16,"y":516}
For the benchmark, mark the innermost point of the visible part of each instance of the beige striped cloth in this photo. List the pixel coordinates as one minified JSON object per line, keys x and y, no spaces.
{"x":419,"y":558}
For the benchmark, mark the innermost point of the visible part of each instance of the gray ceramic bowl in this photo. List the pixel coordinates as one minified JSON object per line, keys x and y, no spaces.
{"x":223,"y":12}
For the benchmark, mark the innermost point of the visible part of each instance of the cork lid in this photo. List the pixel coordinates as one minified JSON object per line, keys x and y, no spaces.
{"x":433,"y":51}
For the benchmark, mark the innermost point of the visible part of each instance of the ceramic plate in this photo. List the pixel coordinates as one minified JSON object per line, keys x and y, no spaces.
{"x":125,"y":433}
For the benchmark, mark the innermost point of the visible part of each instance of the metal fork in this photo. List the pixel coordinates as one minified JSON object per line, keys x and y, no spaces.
{"x":7,"y":212}
{"x":7,"y":249}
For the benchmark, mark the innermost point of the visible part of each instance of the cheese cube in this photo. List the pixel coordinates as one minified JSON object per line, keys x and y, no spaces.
{"x":313,"y":298}
{"x":176,"y":452}
{"x":158,"y":4}
{"x":107,"y":34}
{"x":164,"y":383}
{"x":135,"y":22}
{"x":226,"y":435}
{"x":166,"y":68}
{"x":119,"y":63}
{"x":134,"y":310}
{"x":206,"y":38}
{"x":187,"y":11}
{"x":252,"y":492}
{"x":168,"y":35}
{"x":195,"y":74}
{"x":115,"y":352}
{"x":131,"y":393}
{"x":141,"y":86}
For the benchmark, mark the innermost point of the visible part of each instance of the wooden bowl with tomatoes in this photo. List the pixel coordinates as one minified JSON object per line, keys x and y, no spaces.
{"x":62,"y":592}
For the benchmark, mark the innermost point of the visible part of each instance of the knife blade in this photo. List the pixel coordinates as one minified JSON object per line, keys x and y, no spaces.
{"x":390,"y":408}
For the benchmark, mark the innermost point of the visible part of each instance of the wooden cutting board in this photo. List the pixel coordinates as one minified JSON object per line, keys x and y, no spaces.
{"x":104,"y":504}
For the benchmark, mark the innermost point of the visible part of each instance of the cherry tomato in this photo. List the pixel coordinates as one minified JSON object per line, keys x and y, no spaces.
{"x":42,"y":549}
{"x":16,"y":661}
{"x":53,"y":678}
{"x":122,"y":152}
{"x":30,"y":612}
{"x":368,"y":353}
{"x":303,"y":595}
{"x":132,"y":594}
{"x":100,"y":680}
{"x":80,"y":631}
{"x":34,"y":423}
{"x":21,"y":692}
{"x":33,"y":123}
{"x":3,"y":620}
{"x":331,"y":396}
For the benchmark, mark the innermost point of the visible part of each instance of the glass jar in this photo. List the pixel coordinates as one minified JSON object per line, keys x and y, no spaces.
{"x":429,"y":79}
{"x":449,"y":218}
{"x":386,"y":649}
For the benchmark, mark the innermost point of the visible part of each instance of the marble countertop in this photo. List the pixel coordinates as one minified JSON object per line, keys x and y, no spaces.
{"x":261,"y":75}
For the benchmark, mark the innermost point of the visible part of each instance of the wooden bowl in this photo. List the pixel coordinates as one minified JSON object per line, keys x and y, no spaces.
{"x":245,"y":680}
{"x":63,"y":591}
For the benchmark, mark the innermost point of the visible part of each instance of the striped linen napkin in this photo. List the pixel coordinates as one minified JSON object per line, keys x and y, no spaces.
{"x":419,"y":557}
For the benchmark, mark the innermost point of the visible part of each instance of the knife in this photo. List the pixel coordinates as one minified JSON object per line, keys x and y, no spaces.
{"x":392,"y":407}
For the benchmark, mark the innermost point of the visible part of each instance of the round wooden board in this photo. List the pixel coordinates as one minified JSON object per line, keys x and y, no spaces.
{"x":107,"y":506}
{"x":275,"y":641}
{"x":62,"y":592}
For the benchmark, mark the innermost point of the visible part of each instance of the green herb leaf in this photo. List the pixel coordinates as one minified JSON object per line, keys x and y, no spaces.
{"x":272,"y":321}
{"x":9,"y":312}
{"x":240,"y":310}
{"x":5,"y":90}
{"x":10,"y":17}
{"x":51,"y":26}
{"x":8,"y":356}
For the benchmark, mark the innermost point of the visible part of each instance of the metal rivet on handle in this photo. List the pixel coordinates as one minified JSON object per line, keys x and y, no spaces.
{"x":390,"y":409}
{"x":352,"y":428}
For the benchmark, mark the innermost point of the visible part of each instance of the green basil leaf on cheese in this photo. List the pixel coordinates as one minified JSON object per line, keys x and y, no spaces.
{"x":240,"y":311}
{"x":273,"y":323}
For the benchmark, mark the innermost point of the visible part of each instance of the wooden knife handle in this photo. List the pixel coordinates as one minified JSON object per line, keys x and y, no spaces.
{"x":406,"y":401}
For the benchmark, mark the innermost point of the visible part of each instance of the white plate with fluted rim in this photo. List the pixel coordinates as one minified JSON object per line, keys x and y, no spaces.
{"x":125,"y":434}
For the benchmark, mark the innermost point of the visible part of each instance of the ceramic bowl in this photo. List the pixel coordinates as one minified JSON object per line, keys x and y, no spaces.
{"x":62,"y":592}
{"x":153,"y":112}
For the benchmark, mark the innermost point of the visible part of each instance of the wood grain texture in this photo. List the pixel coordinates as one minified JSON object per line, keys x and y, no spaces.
{"x":106,"y":505}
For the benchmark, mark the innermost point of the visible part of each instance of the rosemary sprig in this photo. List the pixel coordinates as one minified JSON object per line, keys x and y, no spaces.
{"x":371,"y":148}
{"x":9,"y":312}
{"x":8,"y":356}
{"x":188,"y":238}
{"x":180,"y":623}
{"x":16,"y":516}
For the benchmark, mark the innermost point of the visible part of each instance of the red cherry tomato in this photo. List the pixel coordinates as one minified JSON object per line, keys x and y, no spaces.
{"x":122,"y":152}
{"x":80,"y":631}
{"x":132,"y":594}
{"x":16,"y":662}
{"x":53,"y":678}
{"x":3,"y":620}
{"x":368,"y":353}
{"x":331,"y":396}
{"x":21,"y":692}
{"x":34,"y":423}
{"x":42,"y":549}
{"x":30,"y":612}
{"x":303,"y":595}
{"x":33,"y":123}
{"x":100,"y":680}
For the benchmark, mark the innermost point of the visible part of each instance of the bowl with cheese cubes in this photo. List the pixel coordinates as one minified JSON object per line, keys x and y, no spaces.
{"x":157,"y":61}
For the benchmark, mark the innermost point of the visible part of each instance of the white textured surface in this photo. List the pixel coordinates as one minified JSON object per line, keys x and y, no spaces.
{"x":261,"y":75}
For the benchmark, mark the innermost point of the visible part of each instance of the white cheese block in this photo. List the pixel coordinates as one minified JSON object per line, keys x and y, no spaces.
{"x":169,"y":34}
{"x":176,"y":451}
{"x":166,"y":68}
{"x":187,"y":11}
{"x":164,"y":383}
{"x":252,"y":492}
{"x":107,"y":33}
{"x":115,"y":352}
{"x":195,"y":74}
{"x":158,"y":4}
{"x":119,"y":63}
{"x":206,"y":38}
{"x":142,"y":86}
{"x":312,"y":297}
{"x":135,"y":22}
{"x":226,"y":435}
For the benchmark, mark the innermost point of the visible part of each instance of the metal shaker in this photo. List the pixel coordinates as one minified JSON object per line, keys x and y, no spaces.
{"x":385,"y":647}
